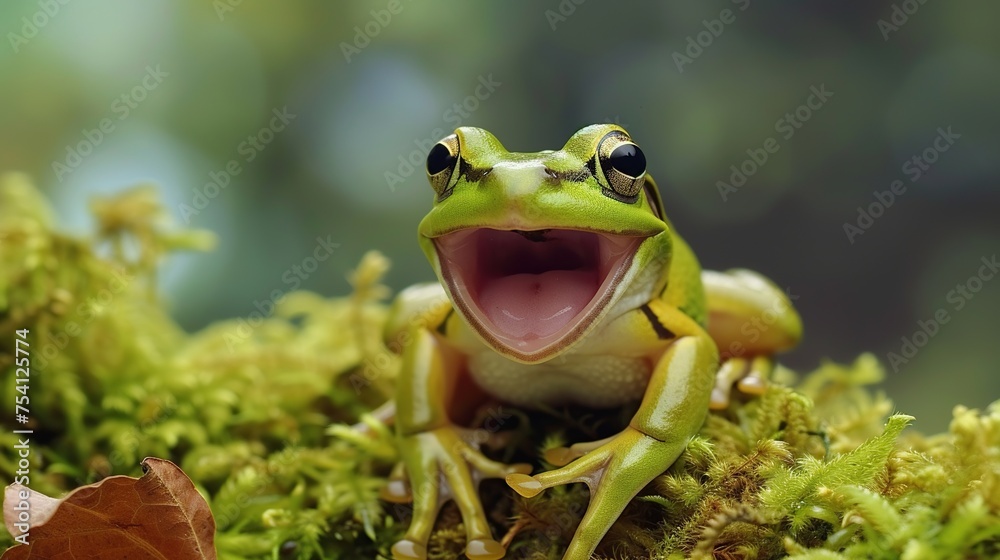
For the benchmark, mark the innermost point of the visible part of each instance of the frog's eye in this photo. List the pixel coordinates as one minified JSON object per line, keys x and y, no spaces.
{"x":442,"y":161}
{"x":623,"y":167}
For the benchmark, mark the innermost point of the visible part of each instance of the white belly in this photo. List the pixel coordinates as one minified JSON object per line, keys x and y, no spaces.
{"x":598,"y":381}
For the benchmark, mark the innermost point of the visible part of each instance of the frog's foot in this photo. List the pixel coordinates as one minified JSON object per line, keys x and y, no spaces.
{"x":397,"y":488}
{"x":615,"y":472}
{"x":442,"y":466}
{"x":749,"y":375}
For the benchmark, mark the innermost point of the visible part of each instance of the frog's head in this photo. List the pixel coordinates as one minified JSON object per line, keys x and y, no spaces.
{"x":535,"y":249}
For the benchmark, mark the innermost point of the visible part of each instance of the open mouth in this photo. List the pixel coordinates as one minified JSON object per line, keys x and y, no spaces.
{"x":531,"y":291}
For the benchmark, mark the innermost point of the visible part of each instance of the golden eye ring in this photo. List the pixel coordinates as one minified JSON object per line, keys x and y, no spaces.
{"x":442,"y":163}
{"x":623,"y":166}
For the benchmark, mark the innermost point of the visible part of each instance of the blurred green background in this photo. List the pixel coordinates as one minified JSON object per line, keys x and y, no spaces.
{"x":97,"y":96}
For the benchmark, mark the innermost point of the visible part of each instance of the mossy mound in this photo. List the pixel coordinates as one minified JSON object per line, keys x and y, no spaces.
{"x":255,"y":410}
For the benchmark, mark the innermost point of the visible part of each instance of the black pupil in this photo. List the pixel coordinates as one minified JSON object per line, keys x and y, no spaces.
{"x":439,"y":159}
{"x":628,"y":159}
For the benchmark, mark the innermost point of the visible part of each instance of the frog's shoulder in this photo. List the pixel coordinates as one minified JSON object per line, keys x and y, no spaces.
{"x":425,"y":305}
{"x":684,"y":289}
{"x":680,"y":285}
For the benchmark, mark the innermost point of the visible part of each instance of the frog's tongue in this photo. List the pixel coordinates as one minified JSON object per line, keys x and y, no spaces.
{"x":528,"y":291}
{"x":527,"y":306}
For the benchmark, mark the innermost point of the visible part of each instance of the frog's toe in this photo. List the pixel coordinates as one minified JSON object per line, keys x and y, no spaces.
{"x":560,"y":456}
{"x":477,"y":549}
{"x":527,"y":486}
{"x":587,"y":468}
{"x":413,"y":546}
{"x":463,"y":484}
{"x":409,"y":550}
{"x":755,"y":381}
{"x":729,"y":372}
{"x":614,"y":472}
{"x":443,"y":466}
{"x":397,"y":487}
{"x":488,"y":468}
{"x":749,"y":375}
{"x":484,"y":549}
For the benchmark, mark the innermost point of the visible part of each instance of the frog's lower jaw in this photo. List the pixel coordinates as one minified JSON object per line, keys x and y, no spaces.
{"x":531,"y":294}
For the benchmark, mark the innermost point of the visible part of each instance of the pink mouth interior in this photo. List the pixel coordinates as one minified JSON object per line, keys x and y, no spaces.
{"x":530,"y":289}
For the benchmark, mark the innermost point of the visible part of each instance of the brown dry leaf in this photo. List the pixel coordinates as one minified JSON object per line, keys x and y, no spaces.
{"x":158,"y":516}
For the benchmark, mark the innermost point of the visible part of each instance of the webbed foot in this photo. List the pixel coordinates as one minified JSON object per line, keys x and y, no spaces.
{"x":615,"y":470}
{"x":444,"y":465}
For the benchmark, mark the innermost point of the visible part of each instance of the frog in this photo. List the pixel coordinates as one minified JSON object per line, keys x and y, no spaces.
{"x":561,"y":281}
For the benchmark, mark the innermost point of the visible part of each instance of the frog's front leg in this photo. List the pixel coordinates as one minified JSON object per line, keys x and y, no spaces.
{"x":672,"y":411}
{"x":441,"y":464}
{"x":750,"y":319}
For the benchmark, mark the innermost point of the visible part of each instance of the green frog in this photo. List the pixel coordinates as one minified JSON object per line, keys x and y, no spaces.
{"x":562,"y":281}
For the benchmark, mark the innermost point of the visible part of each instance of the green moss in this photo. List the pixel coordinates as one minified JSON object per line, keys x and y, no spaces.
{"x":257,"y":414}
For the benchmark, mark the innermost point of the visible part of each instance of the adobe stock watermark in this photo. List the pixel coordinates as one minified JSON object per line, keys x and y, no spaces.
{"x":786,"y":126}
{"x":492,"y":421}
{"x":130,"y":441}
{"x":33,"y":24}
{"x":84,"y":314}
{"x":959,"y":297}
{"x":617,"y":120}
{"x":122,"y":106}
{"x":454,"y":116}
{"x":292,"y":278}
{"x":559,"y":531}
{"x":363,"y":34}
{"x":383,"y":362}
{"x":264,"y":479}
{"x":756,"y":326}
{"x":248,"y":150}
{"x":697,"y":43}
{"x":899,"y":17}
{"x":913,"y":168}
{"x":566,"y":8}
{"x":225,"y":7}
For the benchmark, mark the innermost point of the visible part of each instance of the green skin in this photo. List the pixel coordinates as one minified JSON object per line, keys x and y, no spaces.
{"x":665,"y":309}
